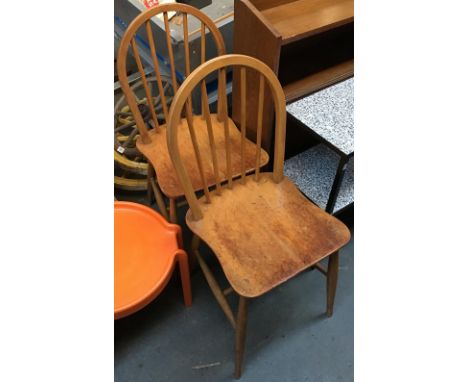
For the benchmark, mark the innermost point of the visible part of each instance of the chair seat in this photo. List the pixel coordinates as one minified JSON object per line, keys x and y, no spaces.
{"x":263,"y":233}
{"x":144,"y":256}
{"x":157,"y":153}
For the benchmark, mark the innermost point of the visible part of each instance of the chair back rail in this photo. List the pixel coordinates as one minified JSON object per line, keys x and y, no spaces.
{"x":197,"y":78}
{"x":129,"y":39}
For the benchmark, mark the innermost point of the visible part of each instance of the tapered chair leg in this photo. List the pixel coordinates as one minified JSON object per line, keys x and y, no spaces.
{"x":195,"y":245}
{"x":173,"y":211}
{"x":149,"y":187}
{"x":156,"y":192}
{"x":241,"y":325}
{"x":332,"y":279}
{"x":182,"y":259}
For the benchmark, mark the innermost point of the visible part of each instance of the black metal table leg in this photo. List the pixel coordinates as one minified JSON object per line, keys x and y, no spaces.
{"x":336,"y":184}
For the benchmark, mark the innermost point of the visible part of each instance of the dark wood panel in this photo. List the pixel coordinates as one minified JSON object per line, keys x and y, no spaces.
{"x":320,"y":80}
{"x":308,"y":43}
{"x":253,"y":37}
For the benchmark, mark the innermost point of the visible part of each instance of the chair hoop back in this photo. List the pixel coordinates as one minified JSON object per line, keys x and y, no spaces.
{"x":197,"y":77}
{"x":129,"y":39}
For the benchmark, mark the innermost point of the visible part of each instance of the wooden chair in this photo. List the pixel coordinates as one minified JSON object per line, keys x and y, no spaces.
{"x":152,"y":143}
{"x":261,"y":228}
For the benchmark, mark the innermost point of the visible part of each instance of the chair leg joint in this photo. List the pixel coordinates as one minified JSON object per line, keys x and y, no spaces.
{"x":215,"y":288}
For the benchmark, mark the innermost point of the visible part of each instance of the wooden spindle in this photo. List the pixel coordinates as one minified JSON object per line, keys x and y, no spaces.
{"x":202,"y":60}
{"x":243,"y":119}
{"x":261,"y":95}
{"x":196,"y":149}
{"x":187,"y":61}
{"x":162,"y":89}
{"x":170,"y":52}
{"x":186,"y":46}
{"x":223,"y":96}
{"x":149,"y":97}
{"x":202,"y":43}
{"x":206,"y":114}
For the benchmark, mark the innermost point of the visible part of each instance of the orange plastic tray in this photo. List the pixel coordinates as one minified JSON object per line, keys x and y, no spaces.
{"x":146,"y":248}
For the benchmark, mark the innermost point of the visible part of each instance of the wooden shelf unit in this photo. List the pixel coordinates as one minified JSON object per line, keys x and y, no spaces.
{"x":309,"y":44}
{"x":296,"y":19}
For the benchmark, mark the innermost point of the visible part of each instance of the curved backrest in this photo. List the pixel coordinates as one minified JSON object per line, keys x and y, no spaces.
{"x":129,"y":39}
{"x":197,"y":78}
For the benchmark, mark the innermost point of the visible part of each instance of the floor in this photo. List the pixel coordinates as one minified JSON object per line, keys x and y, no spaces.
{"x":289,"y":337}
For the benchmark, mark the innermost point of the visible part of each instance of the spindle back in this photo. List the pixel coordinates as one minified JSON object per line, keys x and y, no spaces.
{"x":197,"y":78}
{"x":129,"y":39}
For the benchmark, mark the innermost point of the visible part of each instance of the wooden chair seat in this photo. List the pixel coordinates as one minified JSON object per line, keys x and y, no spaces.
{"x":158,"y":154}
{"x":263,"y":233}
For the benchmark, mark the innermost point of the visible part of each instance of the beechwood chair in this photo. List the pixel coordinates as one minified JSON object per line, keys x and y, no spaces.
{"x":152,"y":142}
{"x":260,"y":227}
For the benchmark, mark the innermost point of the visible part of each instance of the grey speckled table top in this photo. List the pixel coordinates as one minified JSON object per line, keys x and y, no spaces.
{"x":313,"y":171}
{"x":330,"y":113}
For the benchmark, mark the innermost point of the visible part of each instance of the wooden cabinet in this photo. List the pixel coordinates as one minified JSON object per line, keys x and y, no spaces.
{"x":309,"y":44}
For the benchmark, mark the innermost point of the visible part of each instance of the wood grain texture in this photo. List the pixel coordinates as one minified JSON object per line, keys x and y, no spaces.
{"x":254,"y":38}
{"x":154,"y":138}
{"x":157,"y":71}
{"x":157,"y":153}
{"x":261,"y":228}
{"x":317,"y":81}
{"x":241,"y":328}
{"x":302,"y":18}
{"x":195,"y":78}
{"x":264,"y":29}
{"x":128,"y":37}
{"x":263,"y":233}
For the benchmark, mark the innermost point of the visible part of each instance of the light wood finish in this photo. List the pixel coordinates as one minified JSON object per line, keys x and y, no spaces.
{"x":170,"y":52}
{"x":263,"y":233}
{"x":222,"y":95}
{"x":217,"y":292}
{"x":158,"y":154}
{"x":159,"y":199}
{"x":175,"y":137}
{"x":152,"y":45}
{"x":243,"y":121}
{"x":214,"y":155}
{"x":332,"y":280}
{"x":262,"y":229}
{"x":148,"y":94}
{"x":261,"y":96}
{"x":153,"y":190}
{"x":202,"y":44}
{"x":155,"y":138}
{"x":307,"y":43}
{"x":196,"y":149}
{"x":240,"y":334}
